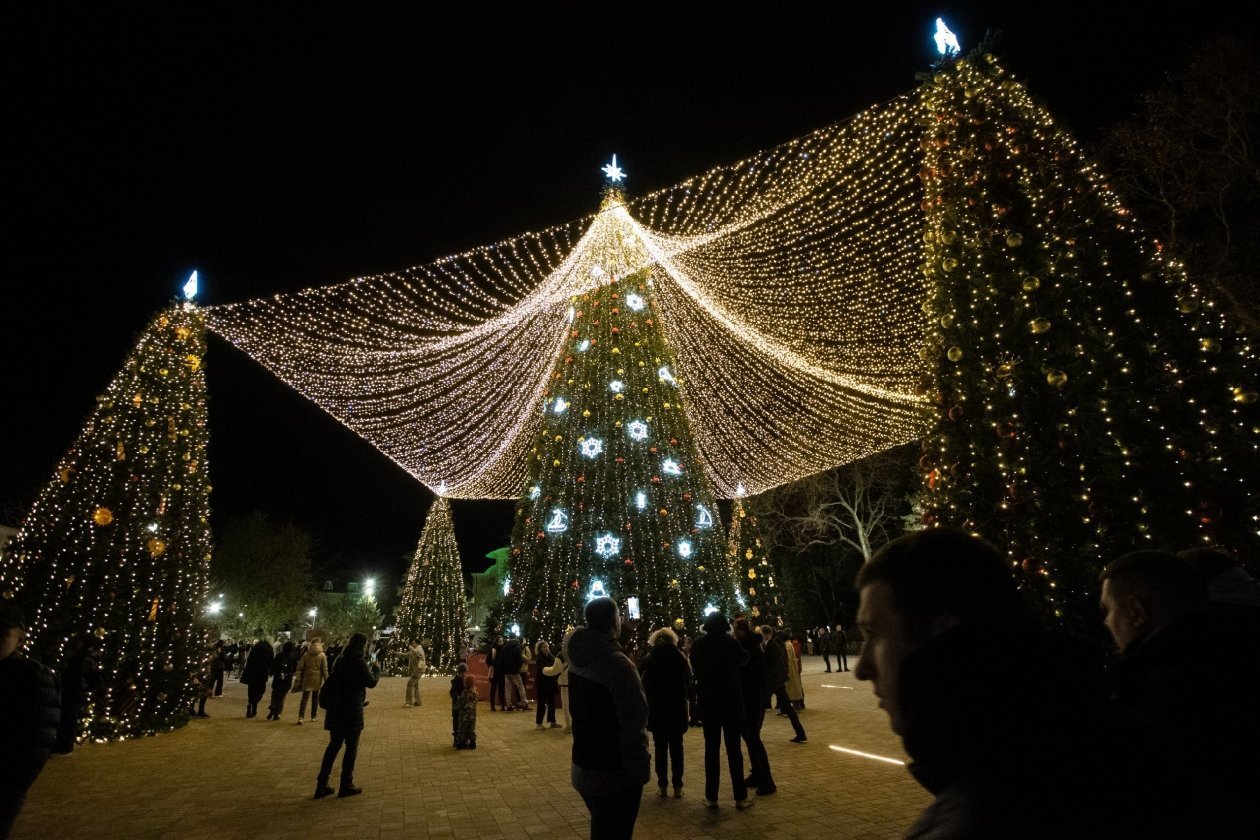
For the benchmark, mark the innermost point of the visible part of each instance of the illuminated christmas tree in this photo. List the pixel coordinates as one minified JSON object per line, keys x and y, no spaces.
{"x":433,"y":609}
{"x":1091,"y":399}
{"x":117,"y":545}
{"x":750,"y":563}
{"x":618,"y":502}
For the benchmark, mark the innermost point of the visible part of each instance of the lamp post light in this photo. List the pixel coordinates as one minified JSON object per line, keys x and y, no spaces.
{"x":369,"y":587}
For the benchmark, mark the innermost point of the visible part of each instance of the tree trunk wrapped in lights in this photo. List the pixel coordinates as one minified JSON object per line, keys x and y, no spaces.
{"x":115,"y":551}
{"x":434,"y":609}
{"x":749,"y":560}
{"x":1091,"y":400}
{"x":617,"y":502}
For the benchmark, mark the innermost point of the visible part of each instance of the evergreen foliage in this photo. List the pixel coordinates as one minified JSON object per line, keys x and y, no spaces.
{"x":749,"y":560}
{"x":117,"y":544}
{"x":1091,"y":400}
{"x":434,"y":607}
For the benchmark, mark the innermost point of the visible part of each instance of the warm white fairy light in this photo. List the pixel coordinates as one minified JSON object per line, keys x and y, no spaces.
{"x":788,"y":285}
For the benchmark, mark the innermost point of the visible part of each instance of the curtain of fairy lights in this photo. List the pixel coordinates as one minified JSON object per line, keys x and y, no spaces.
{"x":790,"y":286}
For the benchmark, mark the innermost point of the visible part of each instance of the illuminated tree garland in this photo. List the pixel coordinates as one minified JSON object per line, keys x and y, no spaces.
{"x":117,"y":545}
{"x":1091,"y":401}
{"x":750,"y":562}
{"x":433,"y":608}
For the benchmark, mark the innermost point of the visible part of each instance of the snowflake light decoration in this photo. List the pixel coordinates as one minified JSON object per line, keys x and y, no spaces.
{"x":637,"y":429}
{"x":635,"y":302}
{"x":684,"y":548}
{"x":616,"y":386}
{"x":591,"y":447}
{"x":560,"y":405}
{"x":606,"y":545}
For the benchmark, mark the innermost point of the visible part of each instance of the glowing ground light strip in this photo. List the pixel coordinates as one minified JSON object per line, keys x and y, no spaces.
{"x":871,"y":756}
{"x":845,"y":687}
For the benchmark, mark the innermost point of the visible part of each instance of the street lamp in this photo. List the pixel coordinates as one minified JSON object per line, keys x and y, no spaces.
{"x":369,"y":587}
{"x":312,"y":614}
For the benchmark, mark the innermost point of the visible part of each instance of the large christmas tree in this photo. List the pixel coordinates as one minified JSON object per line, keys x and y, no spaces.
{"x":749,"y":560}
{"x":116,"y":548}
{"x":1091,"y":399}
{"x":618,"y":502}
{"x":433,"y":609}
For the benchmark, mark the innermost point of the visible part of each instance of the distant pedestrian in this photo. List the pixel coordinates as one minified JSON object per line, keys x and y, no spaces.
{"x":667,"y":681}
{"x":840,"y":644}
{"x":312,"y":671}
{"x":218,"y":666}
{"x":255,"y":674}
{"x":511,"y":662}
{"x":823,"y":635}
{"x":457,"y":692}
{"x":466,"y":731}
{"x":417,"y":664}
{"x":716,"y":659}
{"x":545,"y":686}
{"x":795,"y":685}
{"x":343,"y":700}
{"x":494,"y":659}
{"x":559,"y":671}
{"x":30,"y":711}
{"x":777,"y":677}
{"x":281,"y":679}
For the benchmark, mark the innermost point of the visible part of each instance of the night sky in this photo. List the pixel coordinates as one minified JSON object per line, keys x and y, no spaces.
{"x":280,"y":149}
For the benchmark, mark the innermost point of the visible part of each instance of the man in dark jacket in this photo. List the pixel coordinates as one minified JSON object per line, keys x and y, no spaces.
{"x":777,"y":676}
{"x":840,"y":647}
{"x":1016,"y":738}
{"x":716,"y":659}
{"x":1185,"y":673}
{"x":756,"y":695}
{"x":30,"y":711}
{"x":611,"y":763}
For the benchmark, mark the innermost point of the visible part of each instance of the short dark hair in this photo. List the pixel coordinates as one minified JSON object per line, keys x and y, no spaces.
{"x":1208,"y":562}
{"x":601,"y":614}
{"x":945,"y":571}
{"x":1158,"y":574}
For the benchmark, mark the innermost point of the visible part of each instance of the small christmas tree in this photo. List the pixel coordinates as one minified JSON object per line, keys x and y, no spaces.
{"x":618,"y":502}
{"x":434,"y":609}
{"x":750,"y":563}
{"x":117,"y":545}
{"x":1091,"y":401}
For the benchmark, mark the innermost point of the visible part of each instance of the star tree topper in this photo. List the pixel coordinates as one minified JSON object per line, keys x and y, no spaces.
{"x":613,"y":172}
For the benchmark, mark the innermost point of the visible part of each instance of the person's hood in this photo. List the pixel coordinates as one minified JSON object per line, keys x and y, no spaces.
{"x":716,"y":624}
{"x":584,"y":646}
{"x":316,"y":647}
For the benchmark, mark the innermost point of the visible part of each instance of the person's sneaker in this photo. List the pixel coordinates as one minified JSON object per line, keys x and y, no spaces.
{"x":660,"y":790}
{"x":799,"y":739}
{"x":349,"y":791}
{"x":766,"y":790}
{"x":323,"y":790}
{"x":539,"y":727}
{"x":711,"y":804}
{"x":299,"y":723}
{"x":201,"y":714}
{"x":314,"y":719}
{"x":744,"y":804}
{"x":555,"y":726}
{"x":678,"y":792}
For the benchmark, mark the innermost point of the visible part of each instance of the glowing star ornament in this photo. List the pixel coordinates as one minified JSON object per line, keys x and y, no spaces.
{"x":637,"y":429}
{"x":591,"y":447}
{"x":640,"y":500}
{"x":670,"y":467}
{"x":613,"y":172}
{"x":665,"y":376}
{"x":684,"y":548}
{"x":704,"y":519}
{"x":635,"y":302}
{"x":946,"y":41}
{"x":606,"y":545}
{"x":190,"y":287}
{"x":559,"y":522}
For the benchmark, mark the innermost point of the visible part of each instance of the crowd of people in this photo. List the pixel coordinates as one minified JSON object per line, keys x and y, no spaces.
{"x":1016,"y":729}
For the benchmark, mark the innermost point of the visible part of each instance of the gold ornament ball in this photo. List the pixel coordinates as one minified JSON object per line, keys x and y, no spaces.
{"x":168,"y":667}
{"x":1039,"y":325}
{"x":1014,"y":240}
{"x":954,"y":353}
{"x":948,"y":264}
{"x":1057,"y":378}
{"x":102,"y":516}
{"x":1209,"y":345}
{"x":156,"y":547}
{"x":100,"y":632}
{"x":1031,"y":283}
{"x":1187,"y":304}
{"x":1245,"y":396}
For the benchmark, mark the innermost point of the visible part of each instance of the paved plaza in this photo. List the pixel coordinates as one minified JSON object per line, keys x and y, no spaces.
{"x":227,"y":776}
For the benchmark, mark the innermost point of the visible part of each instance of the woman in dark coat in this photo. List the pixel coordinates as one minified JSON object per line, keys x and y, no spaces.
{"x":343,"y":699}
{"x":281,"y":679}
{"x":546,"y":686}
{"x":257,"y":670}
{"x":667,"y":683}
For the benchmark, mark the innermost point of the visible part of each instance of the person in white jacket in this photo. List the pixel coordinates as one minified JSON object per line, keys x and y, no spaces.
{"x":417,"y":663}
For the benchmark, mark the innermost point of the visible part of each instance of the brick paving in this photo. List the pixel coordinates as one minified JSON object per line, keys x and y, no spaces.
{"x":228,"y":776}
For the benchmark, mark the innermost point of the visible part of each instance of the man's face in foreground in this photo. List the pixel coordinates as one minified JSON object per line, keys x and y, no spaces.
{"x":887,"y":644}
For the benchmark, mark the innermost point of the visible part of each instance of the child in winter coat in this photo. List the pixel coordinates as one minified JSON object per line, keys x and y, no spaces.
{"x":457,"y":691}
{"x":466,"y":734}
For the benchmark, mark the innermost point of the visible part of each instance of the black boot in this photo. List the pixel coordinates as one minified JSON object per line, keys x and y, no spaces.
{"x":322,"y":789}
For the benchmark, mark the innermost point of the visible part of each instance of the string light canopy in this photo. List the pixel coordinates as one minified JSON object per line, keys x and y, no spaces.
{"x":789,"y":287}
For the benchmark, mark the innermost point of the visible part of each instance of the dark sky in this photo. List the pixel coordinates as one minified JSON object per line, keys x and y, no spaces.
{"x":275,"y":150}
